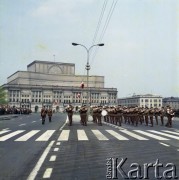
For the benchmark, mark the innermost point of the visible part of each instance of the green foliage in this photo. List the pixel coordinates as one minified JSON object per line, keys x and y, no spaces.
{"x":3,"y":96}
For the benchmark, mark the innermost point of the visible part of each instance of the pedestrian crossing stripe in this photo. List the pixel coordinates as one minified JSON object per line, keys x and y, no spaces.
{"x":28,"y":135}
{"x":133,"y":135}
{"x":151,"y":135}
{"x":164,"y":134}
{"x":116,"y":135}
{"x":82,"y":135}
{"x":46,"y":135}
{"x":64,"y":135}
{"x":171,"y":132}
{"x":99,"y":135}
{"x":4,"y":131}
{"x":8,"y":136}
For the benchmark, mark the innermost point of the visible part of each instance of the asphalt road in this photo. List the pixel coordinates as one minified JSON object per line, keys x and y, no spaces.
{"x":57,"y":151}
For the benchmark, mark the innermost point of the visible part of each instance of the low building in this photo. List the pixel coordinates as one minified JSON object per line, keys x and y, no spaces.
{"x":55,"y":84}
{"x":171,"y":101}
{"x":147,"y":100}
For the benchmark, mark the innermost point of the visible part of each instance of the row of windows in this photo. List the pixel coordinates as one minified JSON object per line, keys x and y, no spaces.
{"x":147,"y":100}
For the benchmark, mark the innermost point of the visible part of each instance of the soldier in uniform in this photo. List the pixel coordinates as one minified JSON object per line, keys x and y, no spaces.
{"x":69,"y":110}
{"x":99,"y":116}
{"x":162,"y":114}
{"x":141,"y":114}
{"x":151,"y":114}
{"x":170,"y":114}
{"x":43,"y":114}
{"x":49,"y":114}
{"x":94,"y":110}
{"x":146,"y":115}
{"x":156,"y":113}
{"x":119,"y":115}
{"x":83,"y":114}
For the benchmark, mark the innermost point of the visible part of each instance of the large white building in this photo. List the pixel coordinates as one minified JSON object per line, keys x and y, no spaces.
{"x":147,"y":100}
{"x":54,"y":84}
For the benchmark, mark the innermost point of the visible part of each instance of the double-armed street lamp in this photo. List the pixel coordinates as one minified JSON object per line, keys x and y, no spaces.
{"x":87,"y":67}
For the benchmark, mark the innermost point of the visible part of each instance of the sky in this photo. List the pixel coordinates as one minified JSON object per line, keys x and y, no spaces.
{"x":140,"y":53}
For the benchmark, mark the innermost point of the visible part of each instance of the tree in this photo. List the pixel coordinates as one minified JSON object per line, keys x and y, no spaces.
{"x":3,"y":95}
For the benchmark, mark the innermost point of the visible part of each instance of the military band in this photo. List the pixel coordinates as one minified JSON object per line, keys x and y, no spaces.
{"x":118,"y":114}
{"x":133,"y":115}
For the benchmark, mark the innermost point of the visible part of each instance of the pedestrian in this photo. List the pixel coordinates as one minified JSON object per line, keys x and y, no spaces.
{"x":69,"y":110}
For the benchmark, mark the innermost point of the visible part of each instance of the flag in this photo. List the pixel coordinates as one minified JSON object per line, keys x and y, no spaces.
{"x":78,"y":95}
{"x":82,"y":85}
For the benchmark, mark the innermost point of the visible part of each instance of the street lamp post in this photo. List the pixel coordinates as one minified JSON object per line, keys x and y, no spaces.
{"x":87,"y":68}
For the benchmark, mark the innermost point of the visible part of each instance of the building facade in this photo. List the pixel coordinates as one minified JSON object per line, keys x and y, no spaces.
{"x":147,"y":100}
{"x":54,"y":84}
{"x":171,"y":101}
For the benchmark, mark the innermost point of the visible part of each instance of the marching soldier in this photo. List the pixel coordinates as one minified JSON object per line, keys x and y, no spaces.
{"x":43,"y":114}
{"x":141,"y":114}
{"x":83,"y":114}
{"x":156,"y":113}
{"x":162,"y":114}
{"x":95,"y":109}
{"x":69,"y":110}
{"x":49,"y":114}
{"x":119,"y":115}
{"x":146,"y":115}
{"x":98,"y":115}
{"x":151,"y":114}
{"x":170,"y":114}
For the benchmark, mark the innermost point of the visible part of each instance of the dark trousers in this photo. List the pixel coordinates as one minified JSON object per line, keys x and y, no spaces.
{"x":70,"y":118}
{"x":50,"y":118}
{"x":43,"y":119}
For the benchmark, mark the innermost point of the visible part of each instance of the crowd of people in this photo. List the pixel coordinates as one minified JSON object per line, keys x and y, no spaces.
{"x":128,"y":115}
{"x":5,"y":109}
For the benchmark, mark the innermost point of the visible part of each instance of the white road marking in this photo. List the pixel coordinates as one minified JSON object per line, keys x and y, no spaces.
{"x":116,"y":135}
{"x":22,"y":124}
{"x":171,"y":132}
{"x":47,"y":173}
{"x":150,"y":135}
{"x":164,"y":144}
{"x":82,"y":135}
{"x":53,"y":158}
{"x":8,"y":136}
{"x":58,"y":143}
{"x":28,"y":135}
{"x":56,"y":149}
{"x":164,"y":134}
{"x":64,"y":124}
{"x":37,"y":167}
{"x":64,"y":135}
{"x":45,"y":136}
{"x":33,"y":121}
{"x":133,"y":135}
{"x":99,"y":135}
{"x":4,"y":131}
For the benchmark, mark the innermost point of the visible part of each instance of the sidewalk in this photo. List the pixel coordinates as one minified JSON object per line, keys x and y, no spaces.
{"x":8,"y":116}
